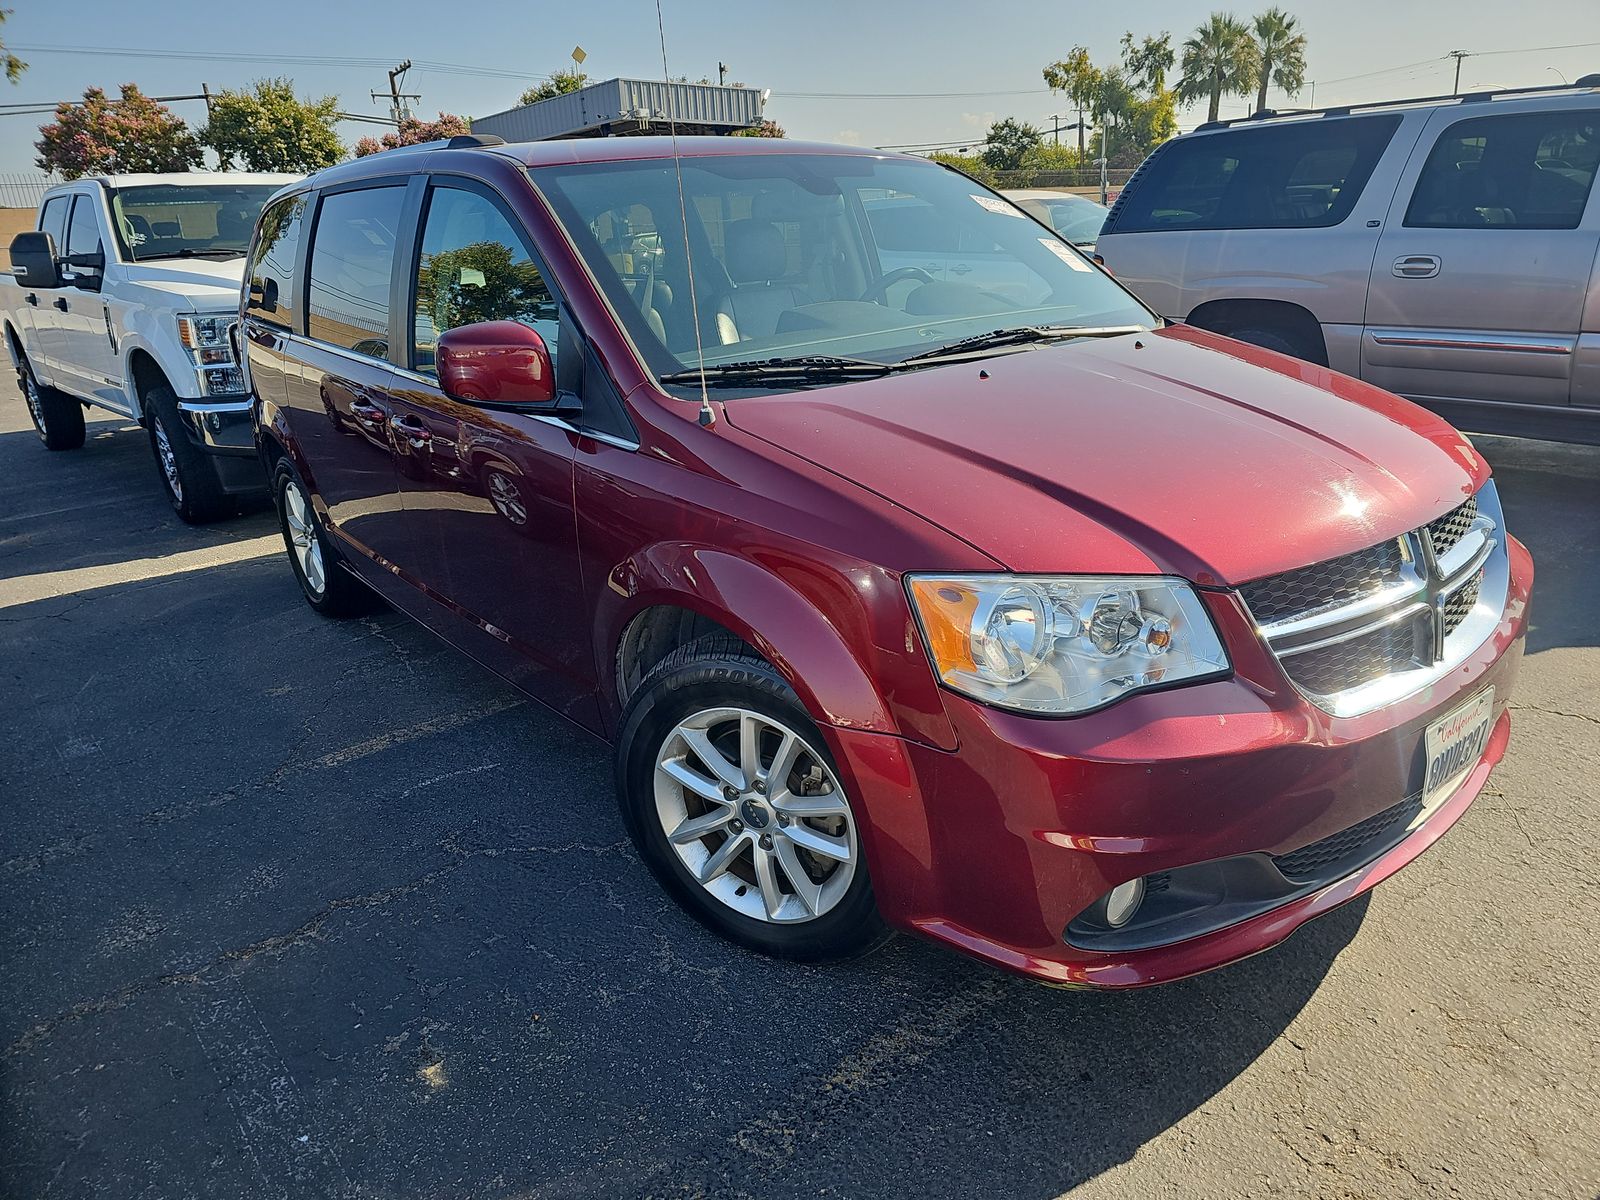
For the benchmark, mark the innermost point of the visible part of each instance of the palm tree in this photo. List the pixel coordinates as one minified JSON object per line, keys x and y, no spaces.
{"x":1077,"y":76}
{"x":1111,"y":101}
{"x":1219,"y":59}
{"x":1280,"y":54}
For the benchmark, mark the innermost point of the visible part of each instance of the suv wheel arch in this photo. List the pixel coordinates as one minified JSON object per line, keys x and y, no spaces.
{"x":1275,"y":324}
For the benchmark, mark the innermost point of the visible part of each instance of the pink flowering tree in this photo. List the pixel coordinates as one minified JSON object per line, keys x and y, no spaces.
{"x":134,"y":133}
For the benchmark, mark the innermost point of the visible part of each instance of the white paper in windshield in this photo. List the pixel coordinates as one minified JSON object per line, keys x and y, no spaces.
{"x":996,"y":205}
{"x":1065,"y":254}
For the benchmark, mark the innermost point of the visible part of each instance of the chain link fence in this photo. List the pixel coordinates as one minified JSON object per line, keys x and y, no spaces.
{"x":24,"y":189}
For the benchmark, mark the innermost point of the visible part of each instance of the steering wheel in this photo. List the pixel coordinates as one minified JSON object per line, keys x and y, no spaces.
{"x":879,"y":292}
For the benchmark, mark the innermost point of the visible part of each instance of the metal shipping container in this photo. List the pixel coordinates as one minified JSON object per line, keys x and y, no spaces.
{"x":628,"y":106}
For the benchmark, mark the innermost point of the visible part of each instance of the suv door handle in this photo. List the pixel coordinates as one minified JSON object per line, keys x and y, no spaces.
{"x":413,"y":430}
{"x":61,"y":303}
{"x":1416,"y":266}
{"x":960,"y":269}
{"x":366,"y":410}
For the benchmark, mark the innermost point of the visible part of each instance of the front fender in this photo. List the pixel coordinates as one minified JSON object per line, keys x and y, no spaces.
{"x":805,"y":623}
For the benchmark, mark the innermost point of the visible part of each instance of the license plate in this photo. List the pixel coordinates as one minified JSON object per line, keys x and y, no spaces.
{"x":1453,"y":745}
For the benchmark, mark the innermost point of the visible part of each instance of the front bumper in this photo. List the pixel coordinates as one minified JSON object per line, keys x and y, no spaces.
{"x":998,"y":846}
{"x":223,"y":429}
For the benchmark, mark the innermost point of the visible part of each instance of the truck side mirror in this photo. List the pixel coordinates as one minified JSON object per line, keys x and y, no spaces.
{"x":33,"y":260}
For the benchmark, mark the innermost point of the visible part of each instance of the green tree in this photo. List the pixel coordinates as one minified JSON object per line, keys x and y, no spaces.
{"x":1146,"y":123}
{"x":480,"y":282}
{"x":100,"y":135}
{"x":766,"y":129}
{"x":1078,"y":79}
{"x":1148,"y":61}
{"x":14,"y":66}
{"x":268,"y":128}
{"x":1008,"y":141}
{"x":969,"y":164}
{"x":413,"y":132}
{"x":559,"y":84}
{"x":1046,"y":157}
{"x":1219,"y":59}
{"x":1112,"y":101}
{"x":1280,"y":54}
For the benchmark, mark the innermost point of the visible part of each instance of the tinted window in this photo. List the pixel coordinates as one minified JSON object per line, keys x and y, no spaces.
{"x":53,"y":220}
{"x":352,"y":254}
{"x":1296,"y":175}
{"x":475,"y":267}
{"x":272,"y":265}
{"x":83,"y":235}
{"x":1530,"y":171}
{"x":171,"y":220}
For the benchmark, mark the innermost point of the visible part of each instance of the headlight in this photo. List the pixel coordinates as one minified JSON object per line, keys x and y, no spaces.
{"x":207,"y":341}
{"x":1063,"y":644}
{"x":201,"y":333}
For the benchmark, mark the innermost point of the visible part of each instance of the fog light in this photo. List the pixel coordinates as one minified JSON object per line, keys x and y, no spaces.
{"x":1123,"y":901}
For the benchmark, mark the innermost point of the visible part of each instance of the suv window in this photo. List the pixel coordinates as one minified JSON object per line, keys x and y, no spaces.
{"x":1298,"y":175}
{"x":83,"y":235}
{"x":1525,"y":171}
{"x":475,"y":266}
{"x":271,"y":298}
{"x":352,"y":253}
{"x":53,"y":220}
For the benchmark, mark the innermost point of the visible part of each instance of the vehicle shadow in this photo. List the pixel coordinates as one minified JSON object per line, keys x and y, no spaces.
{"x":1551,"y":495}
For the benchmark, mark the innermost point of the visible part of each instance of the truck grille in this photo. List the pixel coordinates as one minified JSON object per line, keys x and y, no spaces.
{"x":1352,"y":632}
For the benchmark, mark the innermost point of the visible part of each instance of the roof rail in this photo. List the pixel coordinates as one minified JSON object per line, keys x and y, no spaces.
{"x":462,"y":141}
{"x":1585,"y":83}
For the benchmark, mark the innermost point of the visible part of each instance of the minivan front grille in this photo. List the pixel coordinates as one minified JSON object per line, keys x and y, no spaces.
{"x":1358,"y":631}
{"x":1363,"y":840}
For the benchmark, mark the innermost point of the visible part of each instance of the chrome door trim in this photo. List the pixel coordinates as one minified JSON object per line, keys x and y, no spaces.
{"x":1445,"y":339}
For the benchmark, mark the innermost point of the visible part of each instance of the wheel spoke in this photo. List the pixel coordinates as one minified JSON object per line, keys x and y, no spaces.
{"x":721,"y":859}
{"x":313,"y":568}
{"x":767,"y":880}
{"x":783,"y":762}
{"x":831,"y":804}
{"x":680,"y":773}
{"x":749,"y":748}
{"x":819,"y":843}
{"x":695,"y":828}
{"x":711,"y":758}
{"x":810,"y":893}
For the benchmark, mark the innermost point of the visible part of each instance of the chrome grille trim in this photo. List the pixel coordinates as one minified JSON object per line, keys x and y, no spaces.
{"x":1447,"y":580}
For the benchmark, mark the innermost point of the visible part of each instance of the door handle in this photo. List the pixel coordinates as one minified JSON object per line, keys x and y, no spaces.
{"x":413,"y":430}
{"x":1416,"y":266}
{"x":960,"y":269}
{"x":366,"y":410}
{"x":61,"y":303}
{"x":33,"y":300}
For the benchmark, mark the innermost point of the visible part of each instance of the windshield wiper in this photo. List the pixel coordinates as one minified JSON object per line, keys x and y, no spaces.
{"x":192,"y":252}
{"x":775,"y":372}
{"x":1020,"y":336}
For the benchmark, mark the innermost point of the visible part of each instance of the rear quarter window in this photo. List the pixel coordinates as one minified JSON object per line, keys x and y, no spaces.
{"x":1301,"y":174}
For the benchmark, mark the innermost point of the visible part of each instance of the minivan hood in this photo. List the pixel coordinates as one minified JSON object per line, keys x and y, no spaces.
{"x":1175,"y":452}
{"x":208,"y":283}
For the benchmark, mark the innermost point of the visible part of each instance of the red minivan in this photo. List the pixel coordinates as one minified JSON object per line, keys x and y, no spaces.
{"x":978,"y":603}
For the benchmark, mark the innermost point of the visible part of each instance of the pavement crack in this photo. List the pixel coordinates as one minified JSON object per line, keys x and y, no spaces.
{"x":1554,"y":712}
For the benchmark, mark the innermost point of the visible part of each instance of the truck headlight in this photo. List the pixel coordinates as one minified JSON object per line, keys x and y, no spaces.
{"x":207,"y":341}
{"x":200,"y":333}
{"x":1064,"y":644}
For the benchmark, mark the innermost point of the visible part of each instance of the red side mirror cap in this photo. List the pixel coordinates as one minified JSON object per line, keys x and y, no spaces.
{"x":500,"y":361}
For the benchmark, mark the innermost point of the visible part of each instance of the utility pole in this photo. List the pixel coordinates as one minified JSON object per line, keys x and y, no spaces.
{"x":1055,"y":119}
{"x":398,"y":109}
{"x":205,"y":92}
{"x":1458,"y":55}
{"x":722,"y":74}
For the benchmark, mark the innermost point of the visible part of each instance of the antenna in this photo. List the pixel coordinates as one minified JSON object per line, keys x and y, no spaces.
{"x":708,"y":416}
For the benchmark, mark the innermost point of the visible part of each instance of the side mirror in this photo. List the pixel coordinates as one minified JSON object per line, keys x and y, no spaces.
{"x":33,"y":260}
{"x":499,"y":361}
{"x":95,"y":260}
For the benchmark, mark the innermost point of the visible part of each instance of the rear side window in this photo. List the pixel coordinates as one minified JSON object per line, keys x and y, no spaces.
{"x":1301,"y":174}
{"x":272,"y":263}
{"x":83,"y":234}
{"x":1527,"y":171}
{"x":53,"y":220}
{"x":352,"y":255}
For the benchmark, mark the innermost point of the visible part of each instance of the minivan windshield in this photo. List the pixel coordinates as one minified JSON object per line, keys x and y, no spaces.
{"x":822,"y":257}
{"x":185,"y":221}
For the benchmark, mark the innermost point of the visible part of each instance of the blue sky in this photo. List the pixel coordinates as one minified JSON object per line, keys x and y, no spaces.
{"x":984,"y":60}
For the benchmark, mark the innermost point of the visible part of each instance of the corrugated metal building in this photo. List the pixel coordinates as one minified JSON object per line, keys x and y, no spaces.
{"x":628,"y":106}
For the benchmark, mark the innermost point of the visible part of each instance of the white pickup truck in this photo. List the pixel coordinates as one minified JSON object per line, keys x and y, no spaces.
{"x":124,"y":297}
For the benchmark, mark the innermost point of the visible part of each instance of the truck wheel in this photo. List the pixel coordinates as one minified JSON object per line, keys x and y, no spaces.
{"x":187,"y":474}
{"x":326,"y":585}
{"x":57,"y":417}
{"x":1284,"y":341}
{"x":730,"y":794}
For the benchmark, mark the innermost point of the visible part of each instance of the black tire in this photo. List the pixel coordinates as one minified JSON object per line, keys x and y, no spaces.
{"x":57,"y":417}
{"x":713,"y":672}
{"x":188,"y":475}
{"x":339,"y":594}
{"x":1284,"y":341}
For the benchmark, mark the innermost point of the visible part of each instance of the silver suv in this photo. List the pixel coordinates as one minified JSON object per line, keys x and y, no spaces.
{"x":1445,"y":249}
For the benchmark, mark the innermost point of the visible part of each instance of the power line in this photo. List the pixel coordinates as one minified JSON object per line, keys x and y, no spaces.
{"x":333,"y":60}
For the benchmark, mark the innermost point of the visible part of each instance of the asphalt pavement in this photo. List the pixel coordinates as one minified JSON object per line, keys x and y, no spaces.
{"x":298,"y":908}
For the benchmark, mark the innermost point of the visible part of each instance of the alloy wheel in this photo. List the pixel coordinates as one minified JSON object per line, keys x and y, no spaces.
{"x":167,"y":459}
{"x":756,"y":815}
{"x":303,"y":541}
{"x":507,"y":498}
{"x":30,"y":392}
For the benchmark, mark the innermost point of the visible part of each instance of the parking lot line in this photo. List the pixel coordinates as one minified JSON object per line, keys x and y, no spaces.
{"x":52,"y":585}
